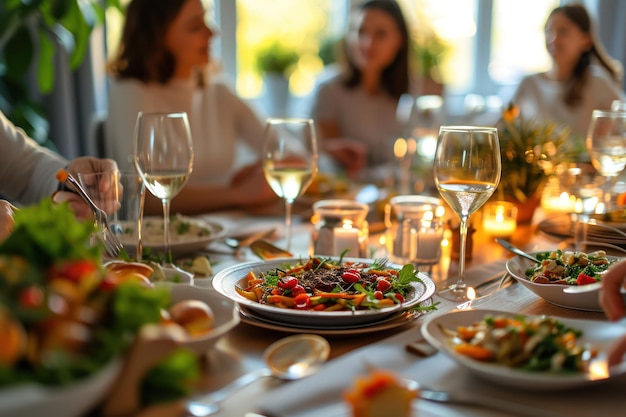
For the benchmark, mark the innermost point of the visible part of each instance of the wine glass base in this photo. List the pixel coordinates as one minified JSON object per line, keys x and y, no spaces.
{"x":458,"y":292}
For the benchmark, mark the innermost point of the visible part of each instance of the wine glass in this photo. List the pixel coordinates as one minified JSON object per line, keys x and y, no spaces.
{"x":289,"y":160}
{"x":163,"y":156}
{"x":467,"y":170}
{"x":606,"y":144}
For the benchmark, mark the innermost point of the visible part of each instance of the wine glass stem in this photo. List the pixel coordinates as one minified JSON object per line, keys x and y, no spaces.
{"x":580,"y":234}
{"x":460,"y":283}
{"x":166,"y":229}
{"x":288,"y":204}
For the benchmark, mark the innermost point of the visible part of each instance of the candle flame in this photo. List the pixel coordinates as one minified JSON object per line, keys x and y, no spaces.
{"x":471,"y":293}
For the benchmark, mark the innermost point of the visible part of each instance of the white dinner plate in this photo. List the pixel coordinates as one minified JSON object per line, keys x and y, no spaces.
{"x":226,"y":280}
{"x":598,"y":334}
{"x":553,"y":293}
{"x":188,"y":234}
{"x":391,"y":322}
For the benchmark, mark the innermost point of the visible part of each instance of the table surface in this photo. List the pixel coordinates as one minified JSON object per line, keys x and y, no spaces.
{"x":240,"y":351}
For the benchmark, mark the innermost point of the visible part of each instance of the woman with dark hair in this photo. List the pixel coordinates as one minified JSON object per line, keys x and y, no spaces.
{"x":162,"y":65}
{"x":355,"y":112}
{"x":582,"y":78}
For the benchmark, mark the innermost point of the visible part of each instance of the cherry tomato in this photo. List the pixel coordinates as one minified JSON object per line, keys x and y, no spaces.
{"x":77,"y":270}
{"x":399,"y":297}
{"x":382,"y":284}
{"x":351,"y":276}
{"x":31,"y":297}
{"x":302,"y":301}
{"x":584,"y":279}
{"x":287,"y":282}
{"x":378,"y":295}
{"x":108,"y":283}
{"x":297,"y":290}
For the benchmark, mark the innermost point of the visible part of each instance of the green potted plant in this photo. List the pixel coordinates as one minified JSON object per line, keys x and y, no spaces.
{"x":276,"y":62}
{"x":531,"y":152}
{"x":31,"y":33}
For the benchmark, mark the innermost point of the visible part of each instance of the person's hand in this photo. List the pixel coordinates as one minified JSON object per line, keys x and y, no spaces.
{"x":352,"y":155}
{"x":252,"y":187}
{"x":6,"y":219}
{"x":85,"y":165}
{"x":612,"y":303}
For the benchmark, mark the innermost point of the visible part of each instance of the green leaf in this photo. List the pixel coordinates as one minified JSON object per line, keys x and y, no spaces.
{"x":18,"y":54}
{"x":171,"y":379}
{"x":45,"y":68}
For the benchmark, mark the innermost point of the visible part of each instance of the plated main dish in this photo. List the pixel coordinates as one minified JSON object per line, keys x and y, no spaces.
{"x":530,"y":352}
{"x":326,"y":285}
{"x":324,"y":291}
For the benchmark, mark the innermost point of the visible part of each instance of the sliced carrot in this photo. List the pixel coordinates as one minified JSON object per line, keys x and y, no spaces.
{"x":474,"y":351}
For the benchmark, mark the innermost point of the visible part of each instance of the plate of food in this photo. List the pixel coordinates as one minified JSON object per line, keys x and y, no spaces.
{"x":529,"y":352}
{"x":324,"y":291}
{"x":559,"y":270}
{"x":187,"y":234}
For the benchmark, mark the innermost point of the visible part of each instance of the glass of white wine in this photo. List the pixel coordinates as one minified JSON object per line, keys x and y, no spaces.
{"x":289,"y":160}
{"x":606,"y":144}
{"x":163,"y":156}
{"x":467,"y":170}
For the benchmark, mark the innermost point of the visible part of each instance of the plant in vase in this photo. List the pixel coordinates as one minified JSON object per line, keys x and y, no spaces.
{"x":531,"y":152}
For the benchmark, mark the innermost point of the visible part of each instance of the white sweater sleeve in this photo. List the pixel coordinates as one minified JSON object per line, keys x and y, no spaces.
{"x":27,"y":170}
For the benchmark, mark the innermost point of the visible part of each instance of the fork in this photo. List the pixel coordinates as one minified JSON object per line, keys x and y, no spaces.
{"x":112,"y":245}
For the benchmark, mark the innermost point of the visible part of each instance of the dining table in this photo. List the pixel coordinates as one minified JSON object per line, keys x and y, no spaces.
{"x":240,"y":351}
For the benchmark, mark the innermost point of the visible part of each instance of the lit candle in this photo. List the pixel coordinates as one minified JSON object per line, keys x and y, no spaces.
{"x":499,"y":219}
{"x":429,"y":245}
{"x":401,"y":152}
{"x":563,"y":203}
{"x":346,"y":237}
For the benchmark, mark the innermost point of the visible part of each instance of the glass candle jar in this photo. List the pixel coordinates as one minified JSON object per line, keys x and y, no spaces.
{"x":418,"y":231}
{"x":340,"y":226}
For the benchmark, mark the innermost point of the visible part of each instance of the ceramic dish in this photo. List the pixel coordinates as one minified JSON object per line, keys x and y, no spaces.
{"x":192,"y":235}
{"x":74,"y":400}
{"x":598,"y":334}
{"x":226,"y":280}
{"x":226,"y":315}
{"x":553,"y":293}
{"x":391,"y":322}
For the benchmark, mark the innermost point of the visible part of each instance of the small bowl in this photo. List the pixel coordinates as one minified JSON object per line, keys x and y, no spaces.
{"x":74,"y":400}
{"x":226,"y":315}
{"x":553,"y":293}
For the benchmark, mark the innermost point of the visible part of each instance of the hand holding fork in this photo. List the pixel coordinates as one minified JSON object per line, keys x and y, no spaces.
{"x":112,"y":245}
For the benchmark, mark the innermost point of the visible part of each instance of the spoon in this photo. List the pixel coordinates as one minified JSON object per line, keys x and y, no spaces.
{"x":290,"y":358}
{"x":506,"y":245}
{"x":579,"y":289}
{"x":245,"y":240}
{"x":265,"y":250}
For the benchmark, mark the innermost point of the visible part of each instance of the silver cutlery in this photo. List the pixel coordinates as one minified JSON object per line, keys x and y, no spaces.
{"x":506,"y":245}
{"x":245,"y":240}
{"x":112,"y":245}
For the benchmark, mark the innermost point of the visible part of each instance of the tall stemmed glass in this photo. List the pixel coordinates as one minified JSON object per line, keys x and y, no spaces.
{"x":606,"y":143}
{"x":289,"y":160}
{"x":467,"y":171}
{"x":163,"y":155}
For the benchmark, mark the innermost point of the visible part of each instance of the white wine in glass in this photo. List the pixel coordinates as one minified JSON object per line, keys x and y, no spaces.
{"x":163,"y":155}
{"x":467,"y":170}
{"x":606,"y":144}
{"x":289,"y":160}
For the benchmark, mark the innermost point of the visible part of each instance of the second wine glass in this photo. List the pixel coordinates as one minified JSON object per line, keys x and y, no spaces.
{"x":163,"y":156}
{"x":467,"y":170}
{"x":289,"y":160}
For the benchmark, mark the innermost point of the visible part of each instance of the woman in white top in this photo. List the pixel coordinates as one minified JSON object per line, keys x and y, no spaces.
{"x":161,"y":67}
{"x":582,"y":78}
{"x":355,"y":112}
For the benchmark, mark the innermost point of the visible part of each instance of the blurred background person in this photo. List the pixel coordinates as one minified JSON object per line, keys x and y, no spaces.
{"x":162,"y":65}
{"x":355,"y":111}
{"x":583,"y":76}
